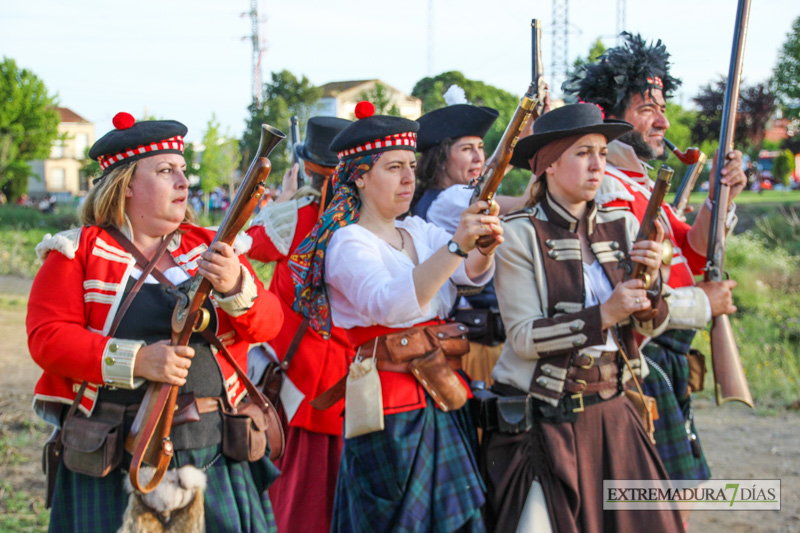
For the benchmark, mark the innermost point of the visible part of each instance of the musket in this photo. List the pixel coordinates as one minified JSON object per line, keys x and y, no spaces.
{"x":294,"y":131}
{"x":529,"y":108}
{"x":687,"y":185}
{"x":648,"y":230}
{"x":729,"y":377}
{"x":148,"y":440}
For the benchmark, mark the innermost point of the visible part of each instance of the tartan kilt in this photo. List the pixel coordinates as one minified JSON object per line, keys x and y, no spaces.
{"x":667,"y":383}
{"x":420,"y":474}
{"x":236,"y":498}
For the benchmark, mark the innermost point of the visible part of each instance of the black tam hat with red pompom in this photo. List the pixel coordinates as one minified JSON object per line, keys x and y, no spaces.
{"x":636,"y":67}
{"x":131,"y":140}
{"x":371,"y":134}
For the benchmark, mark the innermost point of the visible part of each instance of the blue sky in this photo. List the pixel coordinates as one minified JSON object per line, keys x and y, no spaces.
{"x":185,"y":59}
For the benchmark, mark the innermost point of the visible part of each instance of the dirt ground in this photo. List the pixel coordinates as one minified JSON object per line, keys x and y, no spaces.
{"x":739,"y":444}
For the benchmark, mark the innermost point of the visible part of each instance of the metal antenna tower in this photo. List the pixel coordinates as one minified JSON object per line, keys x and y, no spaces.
{"x":259,"y":47}
{"x":559,"y":32}
{"x":620,"y":20}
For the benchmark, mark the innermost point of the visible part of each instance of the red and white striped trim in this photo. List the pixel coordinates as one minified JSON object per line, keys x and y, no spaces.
{"x":173,"y":143}
{"x":408,"y":138}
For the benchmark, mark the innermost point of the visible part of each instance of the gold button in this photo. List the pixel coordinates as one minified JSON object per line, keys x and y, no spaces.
{"x":112,"y":347}
{"x":110,"y":361}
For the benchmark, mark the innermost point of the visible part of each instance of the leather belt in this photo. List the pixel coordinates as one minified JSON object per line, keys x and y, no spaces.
{"x":188,"y":408}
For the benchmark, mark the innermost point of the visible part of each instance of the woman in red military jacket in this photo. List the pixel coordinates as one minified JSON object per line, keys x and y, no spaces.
{"x":87,"y":273}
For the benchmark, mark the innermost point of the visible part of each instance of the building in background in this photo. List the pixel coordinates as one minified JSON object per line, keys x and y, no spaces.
{"x":61,"y":174}
{"x":339,"y":99}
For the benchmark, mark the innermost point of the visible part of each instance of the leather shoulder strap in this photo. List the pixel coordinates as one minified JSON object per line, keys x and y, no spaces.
{"x":298,"y":336}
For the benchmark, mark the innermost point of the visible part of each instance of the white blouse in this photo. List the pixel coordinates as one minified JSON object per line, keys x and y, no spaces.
{"x":445,"y":211}
{"x":371,"y":283}
{"x":598,"y":290}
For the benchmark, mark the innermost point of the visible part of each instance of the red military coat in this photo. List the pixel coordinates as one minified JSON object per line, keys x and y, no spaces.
{"x":75,"y":297}
{"x":318,"y":363}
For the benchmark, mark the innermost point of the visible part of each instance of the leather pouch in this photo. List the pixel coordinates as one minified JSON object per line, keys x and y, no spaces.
{"x":514,"y":414}
{"x":647,"y":409}
{"x":363,"y":400}
{"x":483,"y":408}
{"x":437,"y":377}
{"x":50,"y":463}
{"x":248,"y":429}
{"x":697,"y":370}
{"x":271,"y":383}
{"x":93,"y":446}
{"x":484,"y":325}
{"x":451,"y":338}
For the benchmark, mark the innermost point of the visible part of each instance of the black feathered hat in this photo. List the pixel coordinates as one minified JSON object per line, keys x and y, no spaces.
{"x":573,"y":119}
{"x":315,"y":147}
{"x":452,"y":122}
{"x":371,"y":134}
{"x":131,"y":140}
{"x":633,"y":68}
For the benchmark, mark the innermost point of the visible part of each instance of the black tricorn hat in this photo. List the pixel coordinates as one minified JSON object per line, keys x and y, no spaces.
{"x":131,"y":140}
{"x":452,"y":122}
{"x":371,"y":134}
{"x":573,"y":119}
{"x":315,"y":147}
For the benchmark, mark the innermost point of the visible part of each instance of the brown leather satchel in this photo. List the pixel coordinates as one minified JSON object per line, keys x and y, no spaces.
{"x":273,"y":374}
{"x":254,"y":423}
{"x":93,"y":445}
{"x":437,"y":377}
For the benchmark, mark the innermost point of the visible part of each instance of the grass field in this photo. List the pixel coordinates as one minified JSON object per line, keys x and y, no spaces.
{"x":750,"y":197}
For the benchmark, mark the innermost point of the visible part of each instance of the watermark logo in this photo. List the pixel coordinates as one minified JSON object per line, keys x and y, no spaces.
{"x":711,"y":495}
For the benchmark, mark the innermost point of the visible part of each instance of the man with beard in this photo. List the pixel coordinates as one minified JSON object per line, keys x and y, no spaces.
{"x":631,"y":83}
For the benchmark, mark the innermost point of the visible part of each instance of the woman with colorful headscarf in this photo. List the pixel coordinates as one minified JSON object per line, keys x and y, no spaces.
{"x":408,"y":462}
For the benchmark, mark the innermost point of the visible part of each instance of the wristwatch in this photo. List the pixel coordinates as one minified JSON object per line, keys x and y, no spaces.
{"x":453,"y":248}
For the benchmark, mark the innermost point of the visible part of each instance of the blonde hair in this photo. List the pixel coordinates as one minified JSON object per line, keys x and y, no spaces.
{"x":538,"y":190}
{"x":105,"y":203}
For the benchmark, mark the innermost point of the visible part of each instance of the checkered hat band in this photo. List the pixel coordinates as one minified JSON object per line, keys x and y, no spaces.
{"x":173,"y":143}
{"x":655,"y":81}
{"x":408,"y":138}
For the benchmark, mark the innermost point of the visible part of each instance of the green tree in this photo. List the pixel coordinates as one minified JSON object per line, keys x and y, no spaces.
{"x":595,"y":51}
{"x":284,"y":96}
{"x":782,"y":167}
{"x":219,"y":161}
{"x":90,"y":168}
{"x":431,"y":90}
{"x":379,"y":97}
{"x":786,"y":79}
{"x":28,"y":126}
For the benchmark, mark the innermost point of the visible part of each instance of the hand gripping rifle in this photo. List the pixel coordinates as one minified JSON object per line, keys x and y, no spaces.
{"x":295,"y":133}
{"x":647,"y":232}
{"x":729,"y":377}
{"x":148,"y":440}
{"x":529,"y":108}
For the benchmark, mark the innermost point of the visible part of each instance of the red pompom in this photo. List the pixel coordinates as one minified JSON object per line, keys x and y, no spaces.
{"x":123,"y":120}
{"x":364,"y":109}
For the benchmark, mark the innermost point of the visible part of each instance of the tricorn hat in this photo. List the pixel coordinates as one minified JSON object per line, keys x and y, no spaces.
{"x":131,"y":140}
{"x":574,"y":119}
{"x":315,"y":147}
{"x":452,"y":122}
{"x":371,"y":134}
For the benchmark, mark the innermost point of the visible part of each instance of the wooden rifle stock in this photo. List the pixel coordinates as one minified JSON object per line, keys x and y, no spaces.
{"x":529,"y":108}
{"x":647,"y":232}
{"x":687,"y":185}
{"x":294,"y":131}
{"x":730,"y":381}
{"x":148,"y":440}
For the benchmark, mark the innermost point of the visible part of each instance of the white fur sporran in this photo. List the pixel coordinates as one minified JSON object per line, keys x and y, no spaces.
{"x":175,"y":505}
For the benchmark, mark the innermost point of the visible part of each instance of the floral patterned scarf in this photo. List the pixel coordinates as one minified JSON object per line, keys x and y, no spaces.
{"x":307,"y":264}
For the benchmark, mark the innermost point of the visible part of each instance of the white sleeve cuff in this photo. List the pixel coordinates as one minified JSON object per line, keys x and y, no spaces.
{"x":119,"y":357}
{"x":239,"y":303}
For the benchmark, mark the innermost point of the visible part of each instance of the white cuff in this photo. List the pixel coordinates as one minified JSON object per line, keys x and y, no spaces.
{"x":119,"y":357}
{"x":239,"y":303}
